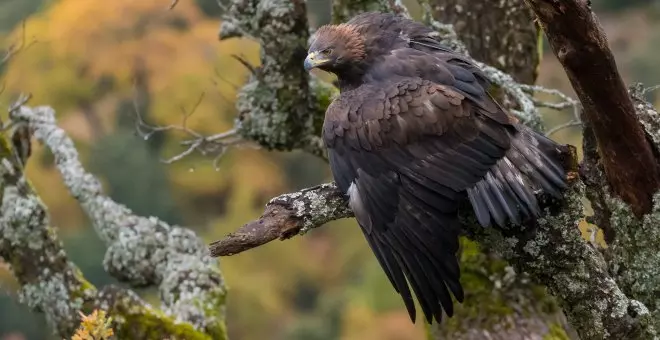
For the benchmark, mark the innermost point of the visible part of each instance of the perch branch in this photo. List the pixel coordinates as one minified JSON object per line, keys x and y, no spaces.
{"x":285,"y":216}
{"x":574,"y":272}
{"x":578,"y":41}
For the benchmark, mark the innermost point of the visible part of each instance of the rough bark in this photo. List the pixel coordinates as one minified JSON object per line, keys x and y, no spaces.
{"x":633,"y":243}
{"x":343,"y":10}
{"x":284,"y":217}
{"x":499,"y":33}
{"x":276,"y":107}
{"x":578,"y":40}
{"x":574,"y":272}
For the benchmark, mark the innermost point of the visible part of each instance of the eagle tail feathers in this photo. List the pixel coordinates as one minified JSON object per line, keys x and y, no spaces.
{"x":508,"y":192}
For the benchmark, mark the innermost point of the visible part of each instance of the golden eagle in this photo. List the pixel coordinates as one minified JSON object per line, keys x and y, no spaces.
{"x":411,"y":135}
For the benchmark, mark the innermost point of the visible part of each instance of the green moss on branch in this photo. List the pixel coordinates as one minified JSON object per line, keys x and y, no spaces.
{"x":192,"y":289}
{"x":574,"y":272}
{"x":500,"y":304}
{"x":134,"y":319}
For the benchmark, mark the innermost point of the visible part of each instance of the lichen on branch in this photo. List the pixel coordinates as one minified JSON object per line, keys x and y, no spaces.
{"x":141,"y":251}
{"x":50,"y":283}
{"x":278,"y":107}
{"x":633,"y":243}
{"x":554,"y":255}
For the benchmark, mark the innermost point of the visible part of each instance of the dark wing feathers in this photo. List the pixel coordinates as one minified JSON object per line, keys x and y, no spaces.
{"x":405,"y":188}
{"x":406,"y":162}
{"x":418,"y":136}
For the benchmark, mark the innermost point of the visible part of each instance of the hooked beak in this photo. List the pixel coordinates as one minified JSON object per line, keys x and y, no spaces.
{"x":315,"y":59}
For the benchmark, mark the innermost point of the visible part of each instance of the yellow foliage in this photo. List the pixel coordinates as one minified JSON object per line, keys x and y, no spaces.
{"x":94,"y":327}
{"x":183,"y":60}
{"x":361,"y":323}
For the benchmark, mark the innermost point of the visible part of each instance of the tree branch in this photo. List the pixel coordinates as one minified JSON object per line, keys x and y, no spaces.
{"x":498,"y":33}
{"x":50,"y":283}
{"x":574,"y":272}
{"x":578,"y":41}
{"x":280,"y":108}
{"x":344,"y":10}
{"x":633,"y":243}
{"x":284,"y":217}
{"x":141,"y":251}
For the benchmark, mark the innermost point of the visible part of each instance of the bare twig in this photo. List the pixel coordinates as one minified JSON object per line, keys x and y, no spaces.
{"x":14,"y":49}
{"x":245,"y":63}
{"x":564,"y":103}
{"x":215,"y":145}
{"x":571,"y":123}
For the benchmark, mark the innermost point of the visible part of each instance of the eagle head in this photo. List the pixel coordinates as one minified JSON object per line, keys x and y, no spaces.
{"x":335,"y":47}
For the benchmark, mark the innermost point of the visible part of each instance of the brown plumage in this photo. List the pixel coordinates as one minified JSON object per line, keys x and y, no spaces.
{"x":414,"y":133}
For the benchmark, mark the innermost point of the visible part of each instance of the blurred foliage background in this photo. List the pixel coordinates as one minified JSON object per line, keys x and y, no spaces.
{"x":97,"y":63}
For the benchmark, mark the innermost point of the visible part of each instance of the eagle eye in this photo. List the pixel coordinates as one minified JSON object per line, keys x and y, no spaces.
{"x":327,"y":51}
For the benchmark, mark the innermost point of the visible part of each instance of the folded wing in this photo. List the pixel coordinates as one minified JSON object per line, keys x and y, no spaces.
{"x":407,"y":152}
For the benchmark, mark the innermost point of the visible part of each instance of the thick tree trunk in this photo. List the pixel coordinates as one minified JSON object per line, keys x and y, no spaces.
{"x":498,"y":33}
{"x":579,"y":43}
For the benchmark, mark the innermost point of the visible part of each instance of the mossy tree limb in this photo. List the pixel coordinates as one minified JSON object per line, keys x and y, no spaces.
{"x":633,"y":243}
{"x":141,"y":251}
{"x":50,"y":283}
